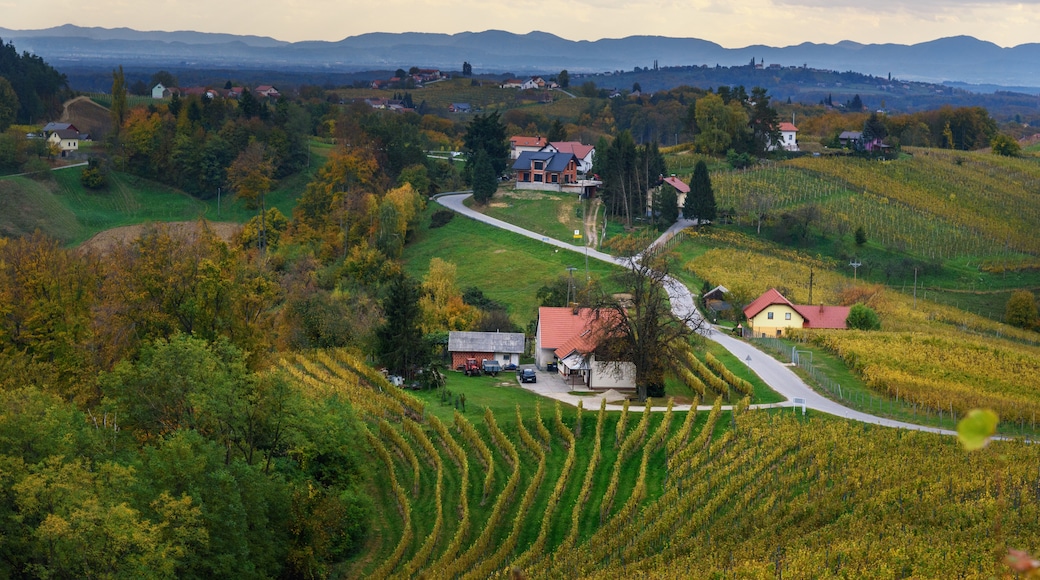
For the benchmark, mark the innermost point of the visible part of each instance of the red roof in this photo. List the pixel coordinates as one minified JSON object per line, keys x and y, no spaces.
{"x":788,"y":127}
{"x":567,"y":330}
{"x":522,"y":141}
{"x":559,"y":324}
{"x":823,"y":316}
{"x":677,"y":184}
{"x":815,"y":316}
{"x":580,"y":150}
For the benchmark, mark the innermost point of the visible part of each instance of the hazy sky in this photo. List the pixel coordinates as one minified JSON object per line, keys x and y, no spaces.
{"x":731,"y":24}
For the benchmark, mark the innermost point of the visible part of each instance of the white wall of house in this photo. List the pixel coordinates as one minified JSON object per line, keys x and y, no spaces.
{"x":608,"y":375}
{"x":157,"y":91}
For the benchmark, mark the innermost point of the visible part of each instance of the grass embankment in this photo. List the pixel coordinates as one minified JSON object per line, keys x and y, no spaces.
{"x":507,"y":267}
{"x":555,"y":215}
{"x":61,"y":207}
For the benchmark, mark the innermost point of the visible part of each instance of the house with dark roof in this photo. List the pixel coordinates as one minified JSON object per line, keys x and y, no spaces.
{"x":545,"y":171}
{"x":851,"y":139}
{"x":460,"y":108}
{"x":568,"y":337}
{"x":505,"y":347}
{"x":50,"y":127}
{"x":67,"y":140}
{"x":773,"y":315}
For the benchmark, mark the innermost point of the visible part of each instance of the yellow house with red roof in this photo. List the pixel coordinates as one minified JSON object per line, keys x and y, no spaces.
{"x":568,"y":337}
{"x":773,"y":315}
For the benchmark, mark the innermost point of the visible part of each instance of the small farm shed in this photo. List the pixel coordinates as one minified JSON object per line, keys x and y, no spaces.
{"x":505,"y":347}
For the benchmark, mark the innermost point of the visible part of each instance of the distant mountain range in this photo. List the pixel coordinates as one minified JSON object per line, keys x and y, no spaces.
{"x":962,"y":58}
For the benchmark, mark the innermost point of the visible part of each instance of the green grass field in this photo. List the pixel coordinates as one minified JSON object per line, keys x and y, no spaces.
{"x":507,"y":267}
{"x":552,"y":214}
{"x":61,"y":207}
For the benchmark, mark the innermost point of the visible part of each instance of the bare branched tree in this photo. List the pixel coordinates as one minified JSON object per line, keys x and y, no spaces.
{"x":651,"y":327}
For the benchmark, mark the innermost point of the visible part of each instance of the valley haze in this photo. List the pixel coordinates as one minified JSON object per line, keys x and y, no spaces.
{"x":961,"y":58}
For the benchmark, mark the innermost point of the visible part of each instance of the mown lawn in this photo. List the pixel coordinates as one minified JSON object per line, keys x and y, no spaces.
{"x":555,"y":215}
{"x":507,"y":267}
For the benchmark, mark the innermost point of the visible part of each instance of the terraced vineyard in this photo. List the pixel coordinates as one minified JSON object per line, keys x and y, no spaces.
{"x":936,"y":203}
{"x":609,"y":494}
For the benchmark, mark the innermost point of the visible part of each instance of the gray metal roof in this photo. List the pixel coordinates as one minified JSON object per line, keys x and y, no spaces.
{"x":506,"y":342}
{"x":555,"y":162}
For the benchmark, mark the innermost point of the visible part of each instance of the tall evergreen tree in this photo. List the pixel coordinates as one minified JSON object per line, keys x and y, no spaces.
{"x":402,"y":349}
{"x":119,"y":104}
{"x":557,"y":132}
{"x":487,"y":133}
{"x":764,"y":121}
{"x":874,"y":128}
{"x":667,"y":206}
{"x":484,"y":181}
{"x":700,"y":202}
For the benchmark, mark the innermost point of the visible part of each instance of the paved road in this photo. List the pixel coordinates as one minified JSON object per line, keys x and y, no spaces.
{"x":774,"y":373}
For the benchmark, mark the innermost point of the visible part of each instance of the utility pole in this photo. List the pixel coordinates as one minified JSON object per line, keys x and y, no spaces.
{"x":810,"y":283}
{"x":855,"y":267}
{"x":570,"y":284}
{"x":915,"y":288}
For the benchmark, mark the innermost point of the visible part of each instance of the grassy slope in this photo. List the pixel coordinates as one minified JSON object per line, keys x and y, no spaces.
{"x":508,"y":267}
{"x":61,"y":207}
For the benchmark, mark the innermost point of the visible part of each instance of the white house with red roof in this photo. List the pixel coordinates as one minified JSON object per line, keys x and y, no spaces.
{"x":584,"y":153}
{"x":520,"y":143}
{"x":568,"y":336}
{"x":773,"y":315}
{"x":788,"y":138}
{"x":268,"y":91}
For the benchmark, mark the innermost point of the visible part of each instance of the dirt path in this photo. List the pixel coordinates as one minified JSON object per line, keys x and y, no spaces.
{"x":591,"y":231}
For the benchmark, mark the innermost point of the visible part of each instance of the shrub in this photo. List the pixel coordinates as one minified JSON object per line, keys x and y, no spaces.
{"x":863,"y":317}
{"x":93,"y":176}
{"x":1021,"y":310}
{"x":440,"y":218}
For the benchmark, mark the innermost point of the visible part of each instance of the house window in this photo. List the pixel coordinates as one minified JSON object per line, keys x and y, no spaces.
{"x":538,"y":177}
{"x":555,"y":178}
{"x":538,"y":165}
{"x":787,"y":316}
{"x":769,"y":315}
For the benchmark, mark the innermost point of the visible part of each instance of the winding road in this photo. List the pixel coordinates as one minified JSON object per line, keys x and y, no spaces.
{"x":778,"y":376}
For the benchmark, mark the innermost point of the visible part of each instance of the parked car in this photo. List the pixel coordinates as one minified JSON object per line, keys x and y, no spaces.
{"x":527,"y":376}
{"x":552,"y":367}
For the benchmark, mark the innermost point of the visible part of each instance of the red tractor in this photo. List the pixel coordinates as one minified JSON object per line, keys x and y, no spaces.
{"x":472,"y":368}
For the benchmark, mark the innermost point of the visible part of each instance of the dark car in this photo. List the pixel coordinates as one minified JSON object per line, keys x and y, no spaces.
{"x":527,"y":376}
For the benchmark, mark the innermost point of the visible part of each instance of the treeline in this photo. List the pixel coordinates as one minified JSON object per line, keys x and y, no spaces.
{"x":31,"y":91}
{"x":964,"y":128}
{"x":190,"y":143}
